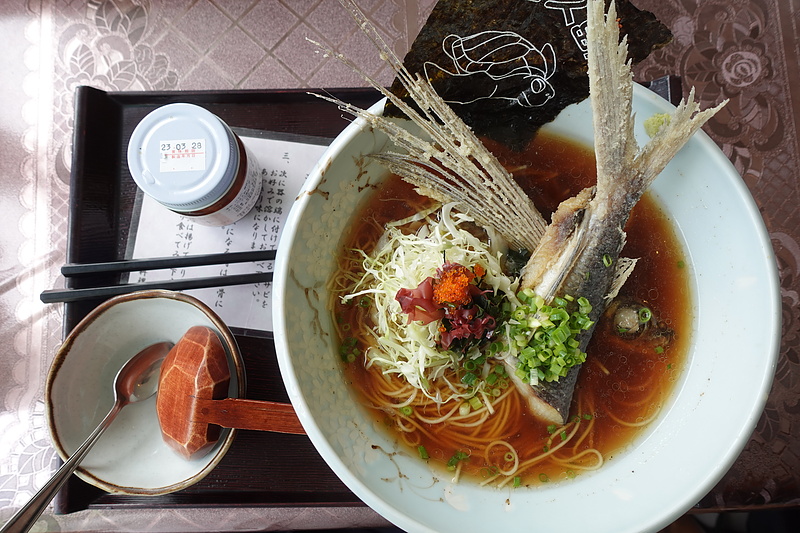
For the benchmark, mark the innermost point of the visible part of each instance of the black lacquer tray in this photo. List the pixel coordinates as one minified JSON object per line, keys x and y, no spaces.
{"x":260,"y":468}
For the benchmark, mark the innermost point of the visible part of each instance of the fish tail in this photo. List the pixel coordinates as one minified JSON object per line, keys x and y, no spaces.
{"x":611,"y":91}
{"x":671,"y":137}
{"x":624,"y":171}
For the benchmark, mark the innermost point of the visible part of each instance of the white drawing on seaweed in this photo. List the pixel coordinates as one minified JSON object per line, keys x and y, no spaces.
{"x":569,"y":8}
{"x":489,"y":54}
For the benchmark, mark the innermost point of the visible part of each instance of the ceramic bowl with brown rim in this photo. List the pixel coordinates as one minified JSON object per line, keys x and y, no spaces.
{"x":131,"y":457}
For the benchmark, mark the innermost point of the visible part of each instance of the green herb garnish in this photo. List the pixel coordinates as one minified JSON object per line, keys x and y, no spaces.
{"x":544,"y":336}
{"x":423,"y":453}
{"x":457,"y":457}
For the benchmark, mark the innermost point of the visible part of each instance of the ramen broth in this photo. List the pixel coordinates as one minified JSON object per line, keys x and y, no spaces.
{"x":623,"y":383}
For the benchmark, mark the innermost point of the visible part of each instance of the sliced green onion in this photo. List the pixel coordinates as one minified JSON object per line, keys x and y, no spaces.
{"x":517,"y":481}
{"x":475,"y":403}
{"x":454,"y":460}
{"x":488,"y":471}
{"x":645,"y":314}
{"x":423,"y":453}
{"x":544,"y":478}
{"x":348,"y":350}
{"x":496,"y":347}
{"x":545,"y":336}
{"x":607,"y":261}
{"x":406,"y":410}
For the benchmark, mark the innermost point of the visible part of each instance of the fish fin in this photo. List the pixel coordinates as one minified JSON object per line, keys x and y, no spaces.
{"x":611,"y":91}
{"x":671,"y":137}
{"x":623,"y":270}
{"x":490,"y":205}
{"x":622,"y":168}
{"x":453,"y":156}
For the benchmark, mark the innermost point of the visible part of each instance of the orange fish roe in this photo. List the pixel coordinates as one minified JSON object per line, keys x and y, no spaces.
{"x":452,"y":287}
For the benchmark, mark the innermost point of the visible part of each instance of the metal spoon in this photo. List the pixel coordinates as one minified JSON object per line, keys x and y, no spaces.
{"x":137,"y":380}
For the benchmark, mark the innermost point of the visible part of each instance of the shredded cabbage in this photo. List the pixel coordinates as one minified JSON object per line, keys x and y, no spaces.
{"x":403,"y":260}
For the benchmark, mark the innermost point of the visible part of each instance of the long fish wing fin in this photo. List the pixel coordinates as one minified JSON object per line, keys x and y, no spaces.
{"x":451,"y":154}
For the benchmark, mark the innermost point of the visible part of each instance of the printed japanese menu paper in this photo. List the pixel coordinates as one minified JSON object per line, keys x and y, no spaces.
{"x":164,"y":233}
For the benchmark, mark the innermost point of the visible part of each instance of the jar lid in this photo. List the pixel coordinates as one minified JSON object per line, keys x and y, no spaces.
{"x":183,"y":156}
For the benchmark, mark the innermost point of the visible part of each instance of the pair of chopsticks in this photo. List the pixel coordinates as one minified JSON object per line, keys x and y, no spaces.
{"x":136,"y":265}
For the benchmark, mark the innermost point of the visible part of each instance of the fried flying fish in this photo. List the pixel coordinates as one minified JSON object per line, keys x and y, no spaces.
{"x":578,"y":253}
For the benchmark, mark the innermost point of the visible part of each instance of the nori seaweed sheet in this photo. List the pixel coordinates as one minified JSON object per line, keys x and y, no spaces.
{"x":507,"y":67}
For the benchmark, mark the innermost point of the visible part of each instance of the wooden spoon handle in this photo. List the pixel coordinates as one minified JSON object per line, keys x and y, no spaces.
{"x":248,"y":414}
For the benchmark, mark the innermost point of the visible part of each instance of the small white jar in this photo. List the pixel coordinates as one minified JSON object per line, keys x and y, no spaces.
{"x":188,"y":160}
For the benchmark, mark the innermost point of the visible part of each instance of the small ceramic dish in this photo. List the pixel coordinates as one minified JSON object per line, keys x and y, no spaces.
{"x":131,"y":457}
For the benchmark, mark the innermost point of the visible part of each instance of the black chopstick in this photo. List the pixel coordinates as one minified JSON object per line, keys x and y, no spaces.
{"x":135,"y":265}
{"x":74,"y":295}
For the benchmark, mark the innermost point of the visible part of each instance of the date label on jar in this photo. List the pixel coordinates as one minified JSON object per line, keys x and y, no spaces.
{"x":183,"y":155}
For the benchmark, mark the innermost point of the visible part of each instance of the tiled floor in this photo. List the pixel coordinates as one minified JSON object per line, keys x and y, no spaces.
{"x":746,"y":50}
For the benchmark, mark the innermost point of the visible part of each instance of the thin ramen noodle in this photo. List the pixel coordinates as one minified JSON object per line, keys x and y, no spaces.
{"x":627,"y":377}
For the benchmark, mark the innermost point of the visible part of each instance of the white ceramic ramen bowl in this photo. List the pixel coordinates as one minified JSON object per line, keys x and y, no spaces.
{"x":666,"y":470}
{"x":131,"y":457}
